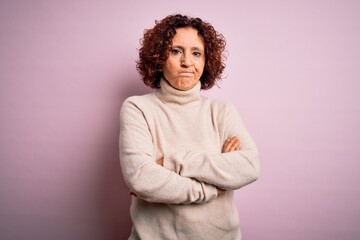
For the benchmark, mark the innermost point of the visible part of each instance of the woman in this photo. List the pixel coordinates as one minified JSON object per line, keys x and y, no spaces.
{"x":182,"y":154}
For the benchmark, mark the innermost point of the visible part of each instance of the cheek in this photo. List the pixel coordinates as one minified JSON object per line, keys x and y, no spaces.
{"x":168,"y":66}
{"x":201,"y":67}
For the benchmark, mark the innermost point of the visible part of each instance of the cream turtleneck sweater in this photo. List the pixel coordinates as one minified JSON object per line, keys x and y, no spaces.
{"x":187,"y":130}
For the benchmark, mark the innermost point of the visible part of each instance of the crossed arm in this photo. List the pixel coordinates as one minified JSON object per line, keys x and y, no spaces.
{"x":184,"y":177}
{"x":231,"y":169}
{"x":231,"y":144}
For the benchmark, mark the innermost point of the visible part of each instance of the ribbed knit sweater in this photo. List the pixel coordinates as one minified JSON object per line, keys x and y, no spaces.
{"x":180,"y":199}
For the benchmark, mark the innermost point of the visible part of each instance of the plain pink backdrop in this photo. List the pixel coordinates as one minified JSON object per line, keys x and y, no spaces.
{"x":293,"y":71}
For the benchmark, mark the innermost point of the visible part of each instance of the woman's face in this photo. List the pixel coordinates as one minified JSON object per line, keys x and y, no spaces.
{"x":186,"y":61}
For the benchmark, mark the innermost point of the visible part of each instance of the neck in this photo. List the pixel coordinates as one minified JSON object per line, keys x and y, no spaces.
{"x":169,"y":94}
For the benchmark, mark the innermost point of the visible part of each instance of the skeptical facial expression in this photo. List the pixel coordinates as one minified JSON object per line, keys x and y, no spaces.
{"x":186,"y":61}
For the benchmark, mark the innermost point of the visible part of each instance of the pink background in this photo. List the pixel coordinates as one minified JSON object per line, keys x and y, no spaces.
{"x":293,"y":71}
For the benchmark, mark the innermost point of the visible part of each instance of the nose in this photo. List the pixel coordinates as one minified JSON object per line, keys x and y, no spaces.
{"x":186,"y":60}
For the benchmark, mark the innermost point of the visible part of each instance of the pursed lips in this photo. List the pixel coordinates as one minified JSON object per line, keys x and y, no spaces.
{"x":186,"y":73}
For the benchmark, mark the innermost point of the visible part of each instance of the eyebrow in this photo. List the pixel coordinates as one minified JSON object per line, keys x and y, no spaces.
{"x":192,"y":48}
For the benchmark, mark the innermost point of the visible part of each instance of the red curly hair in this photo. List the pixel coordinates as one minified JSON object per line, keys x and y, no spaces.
{"x":157,"y":42}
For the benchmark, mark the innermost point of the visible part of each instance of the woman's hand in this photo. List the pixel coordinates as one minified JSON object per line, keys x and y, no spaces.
{"x":160,"y":162}
{"x":231,"y":144}
{"x":220,"y":191}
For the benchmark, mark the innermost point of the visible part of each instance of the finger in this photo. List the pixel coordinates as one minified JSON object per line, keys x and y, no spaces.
{"x":234,"y":145}
{"x":228,"y":143}
{"x":238,"y":144}
{"x":220,"y":191}
{"x":235,"y":148}
{"x":160,"y":162}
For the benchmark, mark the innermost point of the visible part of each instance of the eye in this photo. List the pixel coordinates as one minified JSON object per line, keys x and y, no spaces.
{"x":175,"y":51}
{"x":197,"y":54}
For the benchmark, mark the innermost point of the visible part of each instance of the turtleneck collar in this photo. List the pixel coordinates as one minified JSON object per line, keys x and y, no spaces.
{"x":169,"y":94}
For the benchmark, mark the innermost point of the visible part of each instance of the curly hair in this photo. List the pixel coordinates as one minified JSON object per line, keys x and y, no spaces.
{"x":157,"y":42}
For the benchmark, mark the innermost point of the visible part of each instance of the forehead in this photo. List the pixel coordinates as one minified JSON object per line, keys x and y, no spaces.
{"x":187,"y":37}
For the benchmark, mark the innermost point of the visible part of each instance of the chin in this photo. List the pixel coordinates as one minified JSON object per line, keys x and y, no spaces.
{"x":186,"y":86}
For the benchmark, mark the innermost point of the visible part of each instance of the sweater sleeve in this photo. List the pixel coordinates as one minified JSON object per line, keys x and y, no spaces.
{"x":230,"y":170}
{"x":148,"y":180}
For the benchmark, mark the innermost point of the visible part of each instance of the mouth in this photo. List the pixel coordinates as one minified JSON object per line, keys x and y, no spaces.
{"x":186,"y":73}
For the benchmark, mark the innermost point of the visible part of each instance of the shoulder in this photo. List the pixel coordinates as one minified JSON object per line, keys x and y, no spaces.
{"x":139,"y":101}
{"x":137,"y":105}
{"x":219,"y":106}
